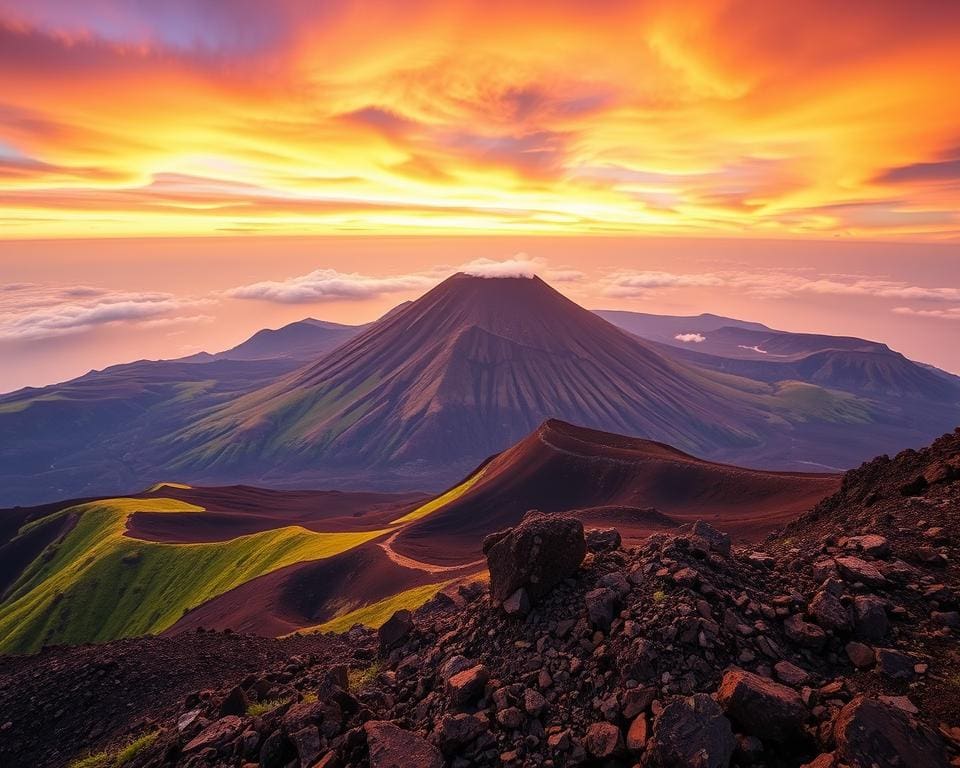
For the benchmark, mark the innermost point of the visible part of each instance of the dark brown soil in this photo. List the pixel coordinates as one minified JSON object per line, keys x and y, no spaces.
{"x":66,"y":700}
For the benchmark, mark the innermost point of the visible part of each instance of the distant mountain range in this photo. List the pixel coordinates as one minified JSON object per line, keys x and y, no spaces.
{"x":304,"y":340}
{"x":419,"y":397}
{"x":755,"y":351}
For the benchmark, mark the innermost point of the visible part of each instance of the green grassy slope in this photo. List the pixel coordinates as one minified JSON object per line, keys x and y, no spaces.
{"x":97,"y":584}
{"x":375,"y":614}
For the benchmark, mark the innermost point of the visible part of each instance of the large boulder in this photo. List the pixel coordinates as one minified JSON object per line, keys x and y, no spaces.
{"x":215,"y":734}
{"x":603,"y":740}
{"x":603,"y":539}
{"x":716,"y":541}
{"x":456,"y":731}
{"x":601,"y":606}
{"x":395,"y":629}
{"x":855,"y":569}
{"x":870,"y":618}
{"x":829,"y":612}
{"x":762,"y":707}
{"x":393,"y":747}
{"x":804,"y":633}
{"x":691,"y":732}
{"x":870,"y":734}
{"x":535,"y":555}
{"x":465,"y":686}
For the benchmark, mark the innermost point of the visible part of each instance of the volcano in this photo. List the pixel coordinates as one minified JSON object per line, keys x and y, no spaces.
{"x":462,"y":373}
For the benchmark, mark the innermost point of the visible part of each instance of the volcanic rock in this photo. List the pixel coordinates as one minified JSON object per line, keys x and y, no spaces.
{"x":215,"y":734}
{"x":894,"y":665}
{"x":235,"y":703}
{"x":393,"y":747}
{"x":762,"y":707}
{"x":637,"y":734}
{"x":860,"y":655}
{"x":691,"y":731}
{"x":601,"y":604}
{"x":870,"y":618}
{"x":456,"y":731}
{"x":870,"y":544}
{"x":395,"y":629}
{"x":830,"y":613}
{"x":603,"y":539}
{"x":872,"y":735}
{"x":518,"y":604}
{"x":603,"y":740}
{"x":790,"y":673}
{"x":468,"y":685}
{"x":856,"y":569}
{"x":804,"y":633}
{"x":536,"y":555}
{"x":717,"y":541}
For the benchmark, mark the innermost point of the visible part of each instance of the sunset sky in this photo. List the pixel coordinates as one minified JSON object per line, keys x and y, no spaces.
{"x":174,"y":175}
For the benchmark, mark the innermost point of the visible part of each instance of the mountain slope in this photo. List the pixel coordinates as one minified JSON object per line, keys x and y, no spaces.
{"x":636,"y":485}
{"x":305,"y":340}
{"x":108,"y":568}
{"x":96,"y":434}
{"x":475,"y":364}
{"x":463,"y":372}
{"x":754,"y":351}
{"x":665,"y":328}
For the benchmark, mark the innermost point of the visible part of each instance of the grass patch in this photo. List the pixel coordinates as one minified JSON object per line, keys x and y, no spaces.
{"x":97,"y":760}
{"x":135,"y":747}
{"x":358,"y":678}
{"x":17,"y":406}
{"x":659,"y":596}
{"x":160,"y":486}
{"x":101,"y":585}
{"x":375,"y":614}
{"x":805,"y":402}
{"x":440,"y":501}
{"x":256,"y":708}
{"x":120,"y":757}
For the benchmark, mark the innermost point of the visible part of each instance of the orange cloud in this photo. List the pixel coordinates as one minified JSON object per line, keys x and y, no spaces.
{"x":719,"y":116}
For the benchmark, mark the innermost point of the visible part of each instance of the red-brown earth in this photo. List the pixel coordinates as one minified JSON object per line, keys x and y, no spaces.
{"x":239,"y":510}
{"x":605,"y":477}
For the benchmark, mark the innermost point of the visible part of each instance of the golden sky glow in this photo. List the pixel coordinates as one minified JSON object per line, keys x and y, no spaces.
{"x":806,"y":118}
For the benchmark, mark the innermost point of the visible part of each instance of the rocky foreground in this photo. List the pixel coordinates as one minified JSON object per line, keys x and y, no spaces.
{"x":836,"y":645}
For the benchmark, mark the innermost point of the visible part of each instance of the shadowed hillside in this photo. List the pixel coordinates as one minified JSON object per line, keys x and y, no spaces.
{"x":606,"y":479}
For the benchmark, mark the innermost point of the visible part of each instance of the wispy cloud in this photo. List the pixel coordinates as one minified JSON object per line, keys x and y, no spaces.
{"x":773,"y":284}
{"x":952,"y":313}
{"x":38,"y":311}
{"x":627,"y":284}
{"x":328,"y":285}
{"x":690,"y":338}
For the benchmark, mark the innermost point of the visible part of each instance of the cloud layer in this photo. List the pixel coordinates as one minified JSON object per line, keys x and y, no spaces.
{"x":328,"y":285}
{"x":773,"y":284}
{"x":30,"y":311}
{"x":193,"y":118}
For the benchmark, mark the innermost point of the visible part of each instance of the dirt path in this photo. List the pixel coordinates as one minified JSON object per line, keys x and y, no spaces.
{"x":409,"y":562}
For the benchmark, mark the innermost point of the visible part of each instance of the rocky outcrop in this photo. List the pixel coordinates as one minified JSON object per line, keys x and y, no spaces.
{"x":534,"y":556}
